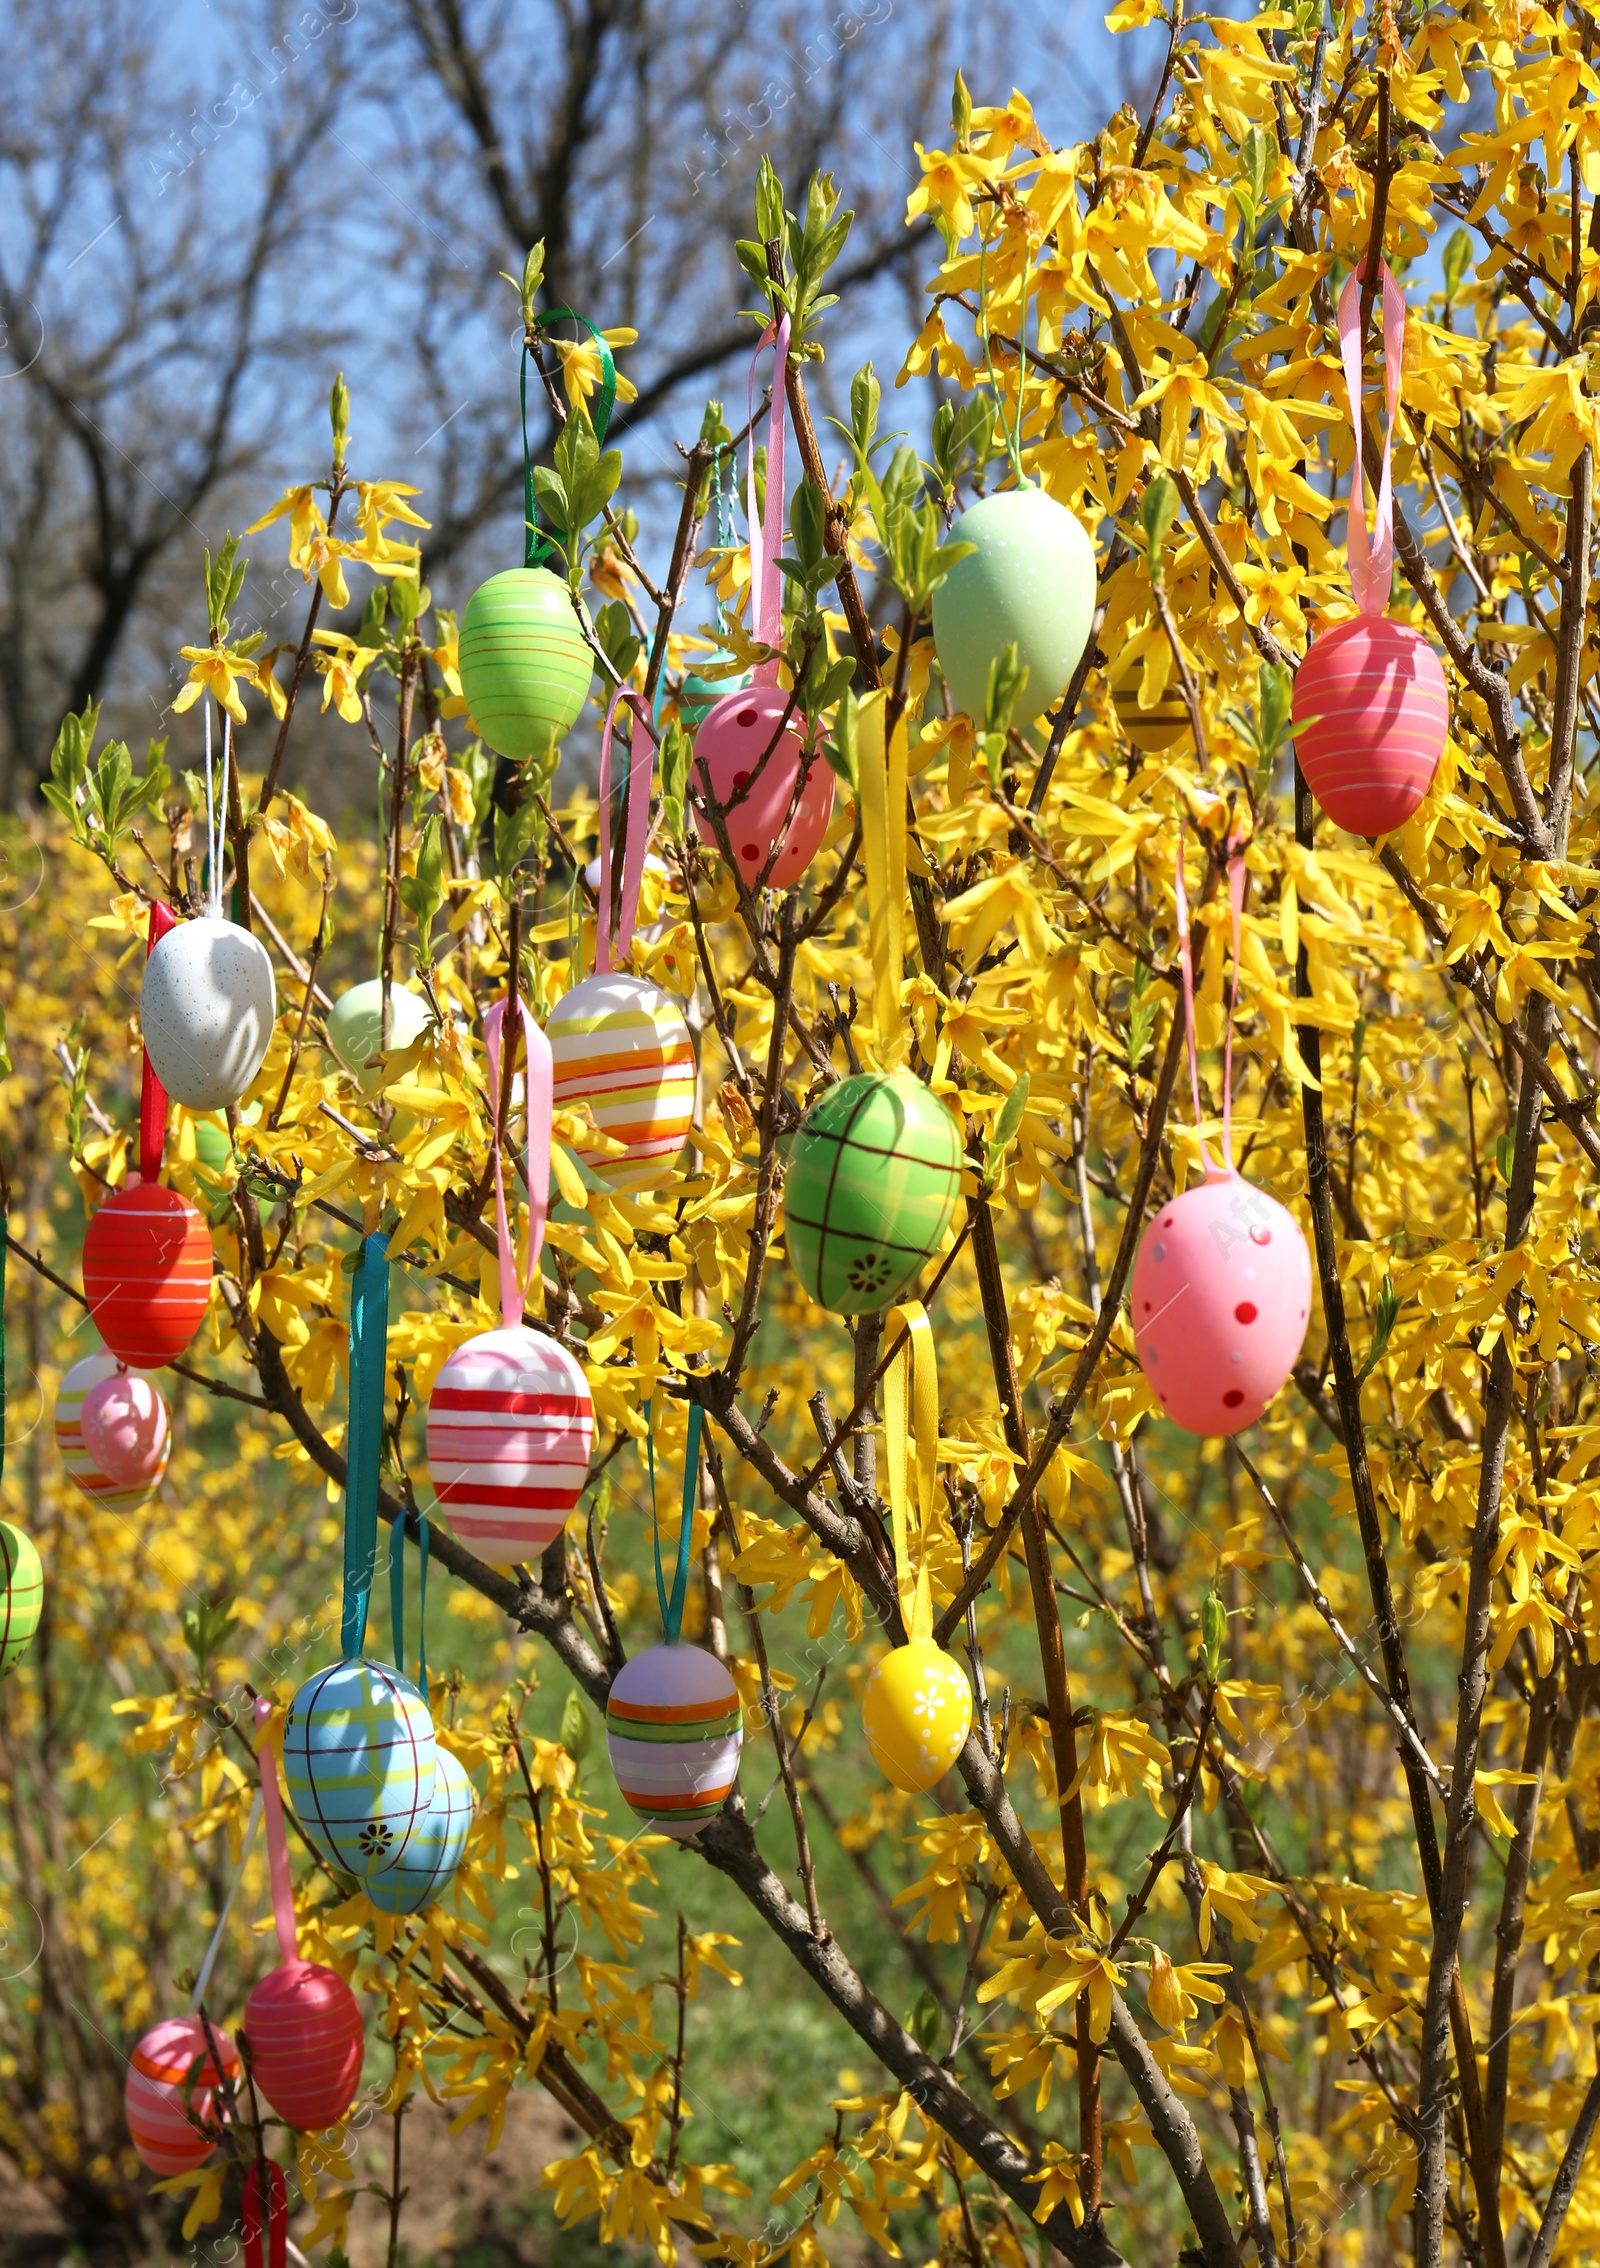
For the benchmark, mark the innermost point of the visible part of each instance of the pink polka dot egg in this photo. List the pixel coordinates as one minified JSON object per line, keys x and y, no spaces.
{"x":749,"y":758}
{"x":1221,"y":1294}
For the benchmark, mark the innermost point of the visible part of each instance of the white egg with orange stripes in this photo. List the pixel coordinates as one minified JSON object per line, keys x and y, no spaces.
{"x":674,"y":1730}
{"x":620,"y":1045}
{"x":510,"y":1427}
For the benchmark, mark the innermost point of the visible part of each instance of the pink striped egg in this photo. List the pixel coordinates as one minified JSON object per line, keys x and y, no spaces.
{"x":621,"y":1046}
{"x":1370,"y":713}
{"x":153,"y":2093}
{"x":302,"y":2026}
{"x":510,"y":1426}
{"x":98,"y":1486}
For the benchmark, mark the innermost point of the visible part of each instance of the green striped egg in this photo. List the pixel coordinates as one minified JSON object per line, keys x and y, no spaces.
{"x":434,"y":1850}
{"x":674,"y":1729}
{"x":21,"y":1595}
{"x":873,"y":1177}
{"x":525,"y":666}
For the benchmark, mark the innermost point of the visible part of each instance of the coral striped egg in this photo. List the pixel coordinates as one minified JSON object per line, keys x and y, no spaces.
{"x":302,"y":2027}
{"x":125,"y":1429}
{"x":147,"y":1273}
{"x":674,"y":1729}
{"x":435,"y":1850}
{"x":621,"y":1046}
{"x":159,"y":2071}
{"x":509,"y":1431}
{"x":1221,"y":1292}
{"x":358,"y":1757}
{"x":748,"y":753}
{"x":81,"y":1468}
{"x":1370,"y":715}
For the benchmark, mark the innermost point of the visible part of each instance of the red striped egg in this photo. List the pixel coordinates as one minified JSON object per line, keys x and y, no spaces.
{"x":302,"y":2028}
{"x":510,"y":1426}
{"x":1370,"y":714}
{"x":159,"y":2071}
{"x":98,"y":1486}
{"x":147,"y":1273}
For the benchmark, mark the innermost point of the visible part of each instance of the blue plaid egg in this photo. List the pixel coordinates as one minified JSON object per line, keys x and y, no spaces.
{"x":359,"y":1759}
{"x":434,"y":1851}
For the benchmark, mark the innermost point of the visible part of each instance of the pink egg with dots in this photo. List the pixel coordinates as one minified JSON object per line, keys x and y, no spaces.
{"x":124,"y":1426}
{"x":750,"y":756}
{"x":1221,"y":1295}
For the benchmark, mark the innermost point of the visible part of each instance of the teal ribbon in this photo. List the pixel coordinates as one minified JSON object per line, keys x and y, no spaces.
{"x":535,"y":546}
{"x":3,"y":1242}
{"x":369,"y":1339}
{"x":397,"y":1597}
{"x":672,"y":1608}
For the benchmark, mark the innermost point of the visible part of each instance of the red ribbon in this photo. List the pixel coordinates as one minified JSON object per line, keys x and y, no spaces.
{"x":277,"y":2217}
{"x":152,"y":1094}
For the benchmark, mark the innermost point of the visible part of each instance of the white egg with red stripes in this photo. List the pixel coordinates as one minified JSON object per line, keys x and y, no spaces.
{"x":510,"y":1428}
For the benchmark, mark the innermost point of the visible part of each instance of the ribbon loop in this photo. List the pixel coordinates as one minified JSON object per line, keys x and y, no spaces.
{"x":1372,"y":565}
{"x":766,"y":540}
{"x":277,"y":1841}
{"x":538,"y":1085}
{"x":397,"y":1597}
{"x":882,"y":774}
{"x":672,"y":1607}
{"x":911,"y":1418}
{"x":636,"y":828}
{"x":1236,"y":889}
{"x":275,"y":2218}
{"x":536,"y":547}
{"x":369,"y":1338}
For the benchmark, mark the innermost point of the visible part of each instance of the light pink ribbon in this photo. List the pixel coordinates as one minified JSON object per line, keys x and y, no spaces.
{"x":1372,"y":566}
{"x":538,"y":1080}
{"x":1236,"y":887}
{"x":641,"y":760}
{"x":277,"y":1844}
{"x":766,"y":543}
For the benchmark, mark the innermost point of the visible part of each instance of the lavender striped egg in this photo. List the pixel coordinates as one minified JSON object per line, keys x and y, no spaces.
{"x":509,"y":1430}
{"x":621,"y":1046}
{"x":674,"y":1729}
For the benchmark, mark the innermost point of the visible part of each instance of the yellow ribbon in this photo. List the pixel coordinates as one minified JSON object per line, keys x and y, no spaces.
{"x":911,"y":1389}
{"x":882,"y":790}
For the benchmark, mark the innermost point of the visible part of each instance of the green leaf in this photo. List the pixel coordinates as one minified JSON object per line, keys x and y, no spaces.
{"x":1457,"y":252}
{"x":1275,"y":693}
{"x":1007,"y":676}
{"x":207,"y":1628}
{"x":423,"y":893}
{"x":769,"y":202}
{"x":925,"y":2020}
{"x":514,"y":834}
{"x":1142,"y":1007}
{"x":1213,"y":1635}
{"x":1158,"y":508}
{"x":224,"y":582}
{"x":339,"y":417}
{"x":1005,"y":1131}
{"x":676,"y":751}
{"x":1505,"y":1150}
{"x":577,"y":1728}
{"x":1383,"y":1322}
{"x":1258,"y":154}
{"x":961,"y":110}
{"x":619,"y":641}
{"x":840,"y":746}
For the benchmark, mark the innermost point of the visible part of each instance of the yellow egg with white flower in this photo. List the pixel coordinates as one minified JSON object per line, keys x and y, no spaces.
{"x":916,"y":1713}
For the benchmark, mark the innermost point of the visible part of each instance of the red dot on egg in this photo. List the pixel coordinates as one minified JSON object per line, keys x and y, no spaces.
{"x":1232,"y":1398}
{"x":1261,"y":1236}
{"x":745,"y":717}
{"x":750,"y":854}
{"x":1245,"y":1312}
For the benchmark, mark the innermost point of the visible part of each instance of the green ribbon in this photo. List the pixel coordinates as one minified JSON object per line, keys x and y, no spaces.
{"x":672,"y":1608}
{"x":397,"y":1598}
{"x":535,"y":546}
{"x":3,"y":1242}
{"x":369,"y":1339}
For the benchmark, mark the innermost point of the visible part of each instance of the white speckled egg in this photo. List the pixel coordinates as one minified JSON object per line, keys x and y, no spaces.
{"x":207,"y":1008}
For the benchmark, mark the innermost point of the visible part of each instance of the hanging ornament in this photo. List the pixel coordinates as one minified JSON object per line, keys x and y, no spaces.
{"x":754,"y":754}
{"x":1221,"y":1285}
{"x":147,"y":1273}
{"x":81,"y":1467}
{"x":917,"y":1707}
{"x":126,"y":1435}
{"x":208,"y":1003}
{"x":674,"y":1720}
{"x":510,"y":1422}
{"x":358,"y":1746}
{"x":302,"y":2025}
{"x":525,"y":663}
{"x":617,"y":1043}
{"x":21,"y":1595}
{"x":173,"y":2089}
{"x":355,"y":1023}
{"x":700,"y":691}
{"x":874,"y":1173}
{"x":1370,"y":710}
{"x":435,"y":1850}
{"x":1029,"y":582}
{"x":1149,"y":730}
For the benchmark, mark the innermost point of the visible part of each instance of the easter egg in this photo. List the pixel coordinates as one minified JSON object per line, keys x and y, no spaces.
{"x":1370,"y":713}
{"x":171,"y":2059}
{"x":1221,"y":1292}
{"x":874,"y":1172}
{"x":674,"y":1729}
{"x":302,"y":2027}
{"x":1149,"y":730}
{"x":81,"y":1467}
{"x":699,"y":694}
{"x":916,"y":1712}
{"x":355,"y":1023}
{"x":434,"y":1851}
{"x":125,"y":1431}
{"x":358,"y":1759}
{"x":207,"y":1006}
{"x":510,"y":1425}
{"x":21,"y":1595}
{"x":1031,"y":583}
{"x":147,"y":1273}
{"x":525,"y":666}
{"x":621,"y":1045}
{"x":749,"y":757}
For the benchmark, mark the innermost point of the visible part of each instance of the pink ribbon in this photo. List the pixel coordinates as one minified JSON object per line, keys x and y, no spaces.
{"x":277,"y":1843}
{"x":539,"y":1089}
{"x":766,"y":543}
{"x":1236,"y":888}
{"x":641,"y":760}
{"x":1372,"y":567}
{"x":276,"y":2216}
{"x":152,"y":1094}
